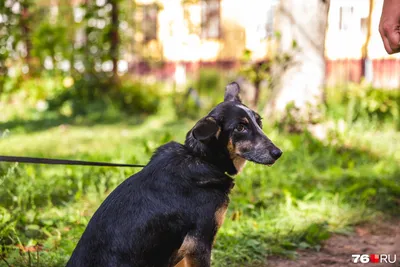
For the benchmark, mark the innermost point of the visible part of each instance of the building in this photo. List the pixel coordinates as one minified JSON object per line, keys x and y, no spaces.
{"x":197,"y":33}
{"x":345,"y":38}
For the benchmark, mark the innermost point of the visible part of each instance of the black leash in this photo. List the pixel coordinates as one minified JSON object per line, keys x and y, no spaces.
{"x":64,"y":162}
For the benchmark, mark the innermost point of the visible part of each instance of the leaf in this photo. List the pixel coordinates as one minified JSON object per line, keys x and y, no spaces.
{"x":294,"y":44}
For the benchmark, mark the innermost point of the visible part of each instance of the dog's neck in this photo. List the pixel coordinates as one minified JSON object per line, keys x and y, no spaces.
{"x":211,"y":152}
{"x":177,"y":159}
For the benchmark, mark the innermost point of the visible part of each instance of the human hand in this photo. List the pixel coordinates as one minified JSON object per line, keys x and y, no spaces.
{"x":389,"y":26}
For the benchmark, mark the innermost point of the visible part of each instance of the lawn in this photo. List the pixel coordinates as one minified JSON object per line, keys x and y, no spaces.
{"x":318,"y":186}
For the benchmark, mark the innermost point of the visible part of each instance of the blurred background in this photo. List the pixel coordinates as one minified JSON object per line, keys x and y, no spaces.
{"x":111,"y":80}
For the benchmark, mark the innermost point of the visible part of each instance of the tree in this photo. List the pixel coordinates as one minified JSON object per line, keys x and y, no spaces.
{"x":364,"y":50}
{"x":114,"y":36}
{"x":14,"y":30}
{"x":98,"y":49}
{"x":301,"y":83}
{"x":25,"y":20}
{"x":255,"y":71}
{"x":5,"y":35}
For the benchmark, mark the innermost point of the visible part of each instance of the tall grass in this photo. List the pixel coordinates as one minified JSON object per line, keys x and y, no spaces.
{"x":316,"y":188}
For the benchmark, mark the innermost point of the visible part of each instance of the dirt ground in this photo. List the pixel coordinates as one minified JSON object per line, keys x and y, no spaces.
{"x":380,"y":237}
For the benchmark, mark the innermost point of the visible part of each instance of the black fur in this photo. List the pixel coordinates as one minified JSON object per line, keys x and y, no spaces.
{"x":145,"y":220}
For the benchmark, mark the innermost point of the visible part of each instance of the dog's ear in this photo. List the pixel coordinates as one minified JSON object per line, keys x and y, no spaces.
{"x":232,"y":91}
{"x":205,"y":129}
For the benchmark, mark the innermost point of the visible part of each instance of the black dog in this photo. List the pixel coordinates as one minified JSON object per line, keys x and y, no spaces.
{"x":173,"y":208}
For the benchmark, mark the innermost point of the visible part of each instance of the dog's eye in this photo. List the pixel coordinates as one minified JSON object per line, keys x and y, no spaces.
{"x":240,"y":128}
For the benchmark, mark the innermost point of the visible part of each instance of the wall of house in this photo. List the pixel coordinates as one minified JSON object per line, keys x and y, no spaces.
{"x":346,"y":35}
{"x":241,"y":28}
{"x":242,"y":25}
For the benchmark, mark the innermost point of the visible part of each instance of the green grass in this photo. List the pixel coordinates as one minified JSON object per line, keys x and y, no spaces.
{"x":315,"y":189}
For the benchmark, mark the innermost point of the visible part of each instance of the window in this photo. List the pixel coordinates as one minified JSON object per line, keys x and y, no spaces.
{"x":192,"y":18}
{"x":364,"y":26}
{"x":269,"y":26}
{"x":210,"y":19}
{"x":346,"y":20}
{"x":146,"y":19}
{"x":265,"y":26}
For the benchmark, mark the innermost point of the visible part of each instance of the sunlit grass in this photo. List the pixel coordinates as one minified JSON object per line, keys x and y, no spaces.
{"x":279,"y":229}
{"x":315,"y":188}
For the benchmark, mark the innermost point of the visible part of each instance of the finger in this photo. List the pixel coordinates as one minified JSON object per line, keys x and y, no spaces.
{"x":387,"y":45}
{"x":385,"y":41}
{"x":394,"y":39}
{"x":391,"y":37}
{"x":381,"y":31}
{"x":396,"y":51}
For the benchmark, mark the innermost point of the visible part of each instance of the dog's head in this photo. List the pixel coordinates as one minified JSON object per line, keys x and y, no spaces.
{"x":231,"y":134}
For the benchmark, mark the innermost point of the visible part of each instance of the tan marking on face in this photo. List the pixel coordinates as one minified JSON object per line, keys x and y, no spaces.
{"x":245,"y":120}
{"x":240,"y":147}
{"x":238,"y":161}
{"x":231,"y":148}
{"x":243,"y":146}
{"x":211,"y":119}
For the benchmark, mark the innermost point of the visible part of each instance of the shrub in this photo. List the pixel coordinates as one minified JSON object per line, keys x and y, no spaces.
{"x":139,"y":97}
{"x":204,"y":92}
{"x":188,"y":104}
{"x":209,"y":79}
{"x":357,"y":102}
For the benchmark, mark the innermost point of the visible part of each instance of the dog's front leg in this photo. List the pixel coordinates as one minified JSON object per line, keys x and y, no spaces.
{"x":199,"y":257}
{"x":190,"y":261}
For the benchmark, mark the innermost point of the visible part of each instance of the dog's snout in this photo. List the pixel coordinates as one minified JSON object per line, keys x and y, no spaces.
{"x":276,"y":153}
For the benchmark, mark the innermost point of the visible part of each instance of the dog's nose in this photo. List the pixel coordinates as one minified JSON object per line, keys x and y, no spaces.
{"x":276,"y":153}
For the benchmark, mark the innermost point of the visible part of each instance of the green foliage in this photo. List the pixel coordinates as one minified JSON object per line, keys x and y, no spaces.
{"x":96,"y":48}
{"x":138,"y":97}
{"x":82,"y":42}
{"x":24,"y":97}
{"x":316,"y":188}
{"x":50,"y":41}
{"x":208,"y":80}
{"x":36,"y":98}
{"x":204,"y":91}
{"x":294,"y":120}
{"x":126,"y":97}
{"x":269,"y":71}
{"x":255,"y":72}
{"x":314,"y":235}
{"x":188,"y":104}
{"x":9,"y":37}
{"x":364,"y":102}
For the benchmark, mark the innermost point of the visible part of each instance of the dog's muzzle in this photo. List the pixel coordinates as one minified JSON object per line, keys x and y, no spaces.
{"x":263,"y":153}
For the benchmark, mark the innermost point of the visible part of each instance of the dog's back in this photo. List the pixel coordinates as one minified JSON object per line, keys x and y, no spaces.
{"x":144,"y":221}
